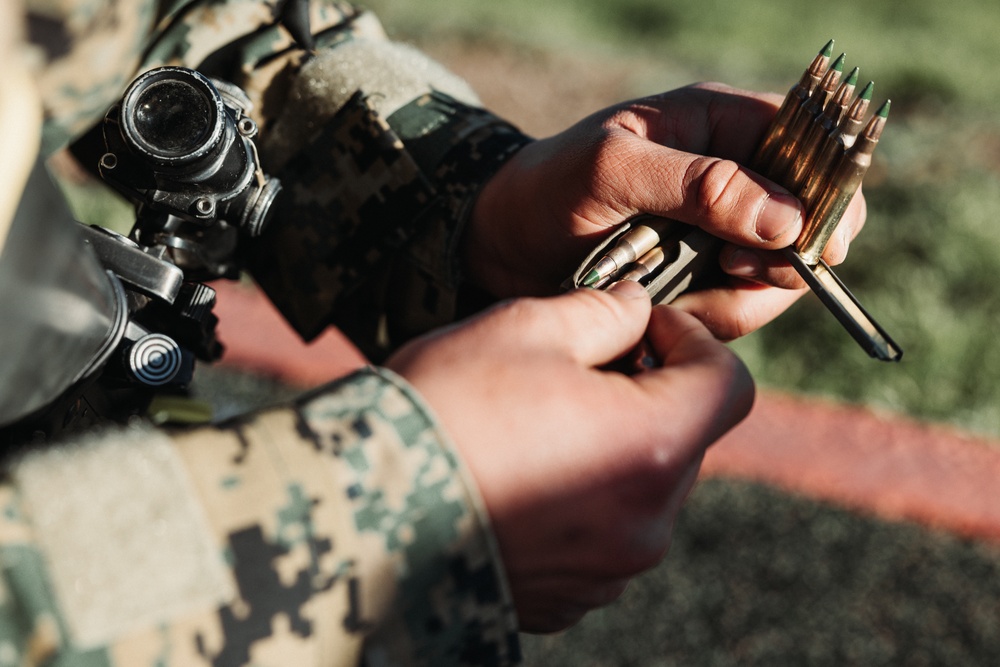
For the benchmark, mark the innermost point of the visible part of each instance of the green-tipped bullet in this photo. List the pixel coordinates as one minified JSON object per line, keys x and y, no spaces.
{"x":818,"y":133}
{"x":793,"y":100}
{"x":842,"y":138}
{"x":848,"y":128}
{"x":633,"y":244}
{"x":842,"y":98}
{"x":852,"y":78}
{"x":883,"y":111}
{"x":844,"y":182}
{"x":803,"y":119}
{"x":601,"y":271}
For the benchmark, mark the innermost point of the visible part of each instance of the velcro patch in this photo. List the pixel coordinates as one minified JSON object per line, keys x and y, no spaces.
{"x":122,"y":531}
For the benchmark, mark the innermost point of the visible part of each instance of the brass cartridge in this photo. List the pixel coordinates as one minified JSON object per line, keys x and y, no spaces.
{"x":840,"y":188}
{"x":794,"y":99}
{"x":633,"y":244}
{"x":803,"y":120}
{"x":834,"y":145}
{"x":821,"y":128}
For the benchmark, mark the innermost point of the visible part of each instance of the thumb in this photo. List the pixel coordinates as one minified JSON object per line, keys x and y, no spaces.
{"x":589,"y":326}
{"x":720,"y":196}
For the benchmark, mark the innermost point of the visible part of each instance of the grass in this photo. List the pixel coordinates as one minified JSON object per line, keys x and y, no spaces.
{"x":937,"y":49}
{"x":926,"y":263}
{"x":756,"y":577}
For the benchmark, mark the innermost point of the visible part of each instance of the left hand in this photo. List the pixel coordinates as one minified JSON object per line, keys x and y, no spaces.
{"x":678,"y":155}
{"x":583,"y":470}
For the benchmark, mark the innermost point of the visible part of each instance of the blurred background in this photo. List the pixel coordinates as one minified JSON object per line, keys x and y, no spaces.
{"x":927,"y":262}
{"x":757,"y":576}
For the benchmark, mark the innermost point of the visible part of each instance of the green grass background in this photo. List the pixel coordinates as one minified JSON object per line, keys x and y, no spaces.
{"x":927,"y":263}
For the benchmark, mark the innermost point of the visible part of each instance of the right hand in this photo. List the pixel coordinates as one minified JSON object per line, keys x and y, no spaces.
{"x":582,"y":469}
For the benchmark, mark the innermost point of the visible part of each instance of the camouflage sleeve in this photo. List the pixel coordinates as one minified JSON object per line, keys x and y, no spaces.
{"x":334,"y":532}
{"x":381,"y":150}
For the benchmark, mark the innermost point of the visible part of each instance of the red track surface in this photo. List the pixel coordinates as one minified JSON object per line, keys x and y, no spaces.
{"x":877,"y":463}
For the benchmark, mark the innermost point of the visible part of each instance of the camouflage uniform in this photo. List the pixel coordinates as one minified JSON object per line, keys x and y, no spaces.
{"x":342,"y":529}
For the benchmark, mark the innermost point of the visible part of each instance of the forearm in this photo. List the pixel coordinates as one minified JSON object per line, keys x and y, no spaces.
{"x":344,"y":515}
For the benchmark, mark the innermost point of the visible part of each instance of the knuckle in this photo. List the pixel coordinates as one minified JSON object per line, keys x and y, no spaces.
{"x":521,"y":313}
{"x":607,"y":592}
{"x":632,"y":560}
{"x":741,"y":322}
{"x":739,"y":373}
{"x":712,"y":183}
{"x":742,"y":390}
{"x":634,"y":117}
{"x":616,"y":154}
{"x":639,"y":543}
{"x":732,"y":370}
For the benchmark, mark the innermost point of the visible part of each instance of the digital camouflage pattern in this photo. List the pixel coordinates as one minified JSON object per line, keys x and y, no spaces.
{"x":413,"y":175}
{"x":372,"y":178}
{"x":341,"y":530}
{"x":345,"y":529}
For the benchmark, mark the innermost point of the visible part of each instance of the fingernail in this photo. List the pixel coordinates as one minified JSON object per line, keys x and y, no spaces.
{"x":845,"y":241}
{"x":781,"y":214}
{"x":628,"y":289}
{"x":744,"y":264}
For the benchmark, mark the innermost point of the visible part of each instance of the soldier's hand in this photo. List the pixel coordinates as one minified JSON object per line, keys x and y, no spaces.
{"x":582,"y":469}
{"x":554,"y":200}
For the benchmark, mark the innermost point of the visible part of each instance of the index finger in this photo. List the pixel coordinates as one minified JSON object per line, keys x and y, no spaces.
{"x":706,"y":387}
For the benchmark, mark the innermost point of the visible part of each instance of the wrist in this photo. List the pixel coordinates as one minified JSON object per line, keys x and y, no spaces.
{"x":500,"y":233}
{"x":481,"y":250}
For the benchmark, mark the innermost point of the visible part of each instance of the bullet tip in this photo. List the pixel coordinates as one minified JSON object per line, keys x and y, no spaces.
{"x":591,"y":278}
{"x":883,"y":110}
{"x":827,"y":50}
{"x":838,"y":64}
{"x":852,"y":79}
{"x":866,"y":94}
